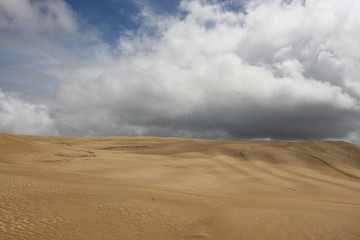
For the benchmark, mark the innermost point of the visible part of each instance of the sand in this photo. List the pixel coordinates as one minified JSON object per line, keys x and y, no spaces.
{"x":168,"y":188}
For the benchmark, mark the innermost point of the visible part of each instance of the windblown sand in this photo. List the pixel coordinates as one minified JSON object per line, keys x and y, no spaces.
{"x":167,"y":188}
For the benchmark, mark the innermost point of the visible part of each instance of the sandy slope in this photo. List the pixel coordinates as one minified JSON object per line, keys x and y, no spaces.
{"x":167,"y":188}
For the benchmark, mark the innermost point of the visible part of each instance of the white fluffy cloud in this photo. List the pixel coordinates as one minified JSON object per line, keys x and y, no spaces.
{"x":277,"y":70}
{"x":20,"y":117}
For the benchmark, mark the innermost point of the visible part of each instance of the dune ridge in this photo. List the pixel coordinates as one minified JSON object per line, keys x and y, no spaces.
{"x":170,"y":188}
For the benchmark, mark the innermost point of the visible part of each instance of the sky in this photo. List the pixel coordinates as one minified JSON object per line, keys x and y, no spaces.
{"x":234,"y":69}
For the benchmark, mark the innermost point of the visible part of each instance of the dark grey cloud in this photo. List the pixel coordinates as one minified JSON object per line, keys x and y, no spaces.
{"x":301,"y":122}
{"x":280,"y":71}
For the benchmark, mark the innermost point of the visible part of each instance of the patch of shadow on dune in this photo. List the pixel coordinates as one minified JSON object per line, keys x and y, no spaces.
{"x":77,"y":155}
{"x":334,"y":167}
{"x":125,"y":147}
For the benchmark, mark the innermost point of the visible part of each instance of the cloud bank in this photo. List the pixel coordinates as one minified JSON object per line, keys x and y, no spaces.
{"x":274,"y":70}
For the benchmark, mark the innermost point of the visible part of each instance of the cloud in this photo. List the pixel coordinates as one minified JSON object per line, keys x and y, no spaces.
{"x":33,"y":17}
{"x":20,"y":117}
{"x":276,"y":70}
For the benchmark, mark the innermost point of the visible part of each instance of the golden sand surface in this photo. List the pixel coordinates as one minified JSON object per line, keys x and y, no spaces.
{"x":168,"y":188}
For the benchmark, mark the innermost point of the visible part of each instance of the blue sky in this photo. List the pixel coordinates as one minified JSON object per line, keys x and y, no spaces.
{"x":285,"y":70}
{"x":113,"y":17}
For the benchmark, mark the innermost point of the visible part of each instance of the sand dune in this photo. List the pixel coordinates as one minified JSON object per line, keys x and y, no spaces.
{"x":168,"y":188}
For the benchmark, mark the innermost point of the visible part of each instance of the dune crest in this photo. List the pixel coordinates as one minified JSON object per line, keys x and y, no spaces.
{"x":169,"y":188}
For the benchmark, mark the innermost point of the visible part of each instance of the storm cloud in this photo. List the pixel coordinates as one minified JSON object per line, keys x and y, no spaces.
{"x":268,"y":70}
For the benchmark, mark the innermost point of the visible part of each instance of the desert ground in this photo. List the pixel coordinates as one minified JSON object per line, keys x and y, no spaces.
{"x":169,"y":188}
